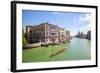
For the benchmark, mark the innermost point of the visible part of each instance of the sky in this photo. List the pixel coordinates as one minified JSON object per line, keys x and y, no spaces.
{"x":72,"y":21}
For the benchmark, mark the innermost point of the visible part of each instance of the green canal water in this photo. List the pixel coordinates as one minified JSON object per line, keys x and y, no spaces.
{"x":77,"y":49}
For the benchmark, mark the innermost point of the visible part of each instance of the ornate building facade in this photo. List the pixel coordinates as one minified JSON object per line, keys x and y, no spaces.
{"x":46,"y":33}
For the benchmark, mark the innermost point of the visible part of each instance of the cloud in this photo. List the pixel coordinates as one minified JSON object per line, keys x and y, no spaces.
{"x":85,"y":29}
{"x":85,"y":18}
{"x":57,"y":13}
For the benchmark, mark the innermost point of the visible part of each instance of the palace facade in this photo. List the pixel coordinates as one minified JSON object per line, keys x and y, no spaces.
{"x":47,"y":33}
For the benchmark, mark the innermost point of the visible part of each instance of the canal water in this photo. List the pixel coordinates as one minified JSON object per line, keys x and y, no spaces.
{"x":76,"y":49}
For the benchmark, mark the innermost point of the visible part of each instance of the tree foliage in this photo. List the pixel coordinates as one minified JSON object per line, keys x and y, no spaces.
{"x":24,"y":41}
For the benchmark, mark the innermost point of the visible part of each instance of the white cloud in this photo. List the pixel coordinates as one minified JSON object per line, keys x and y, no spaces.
{"x":83,"y":18}
{"x":56,"y":13}
{"x":85,"y":29}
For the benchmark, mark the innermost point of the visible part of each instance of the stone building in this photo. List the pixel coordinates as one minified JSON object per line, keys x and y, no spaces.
{"x":46,"y":33}
{"x":88,"y":36}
